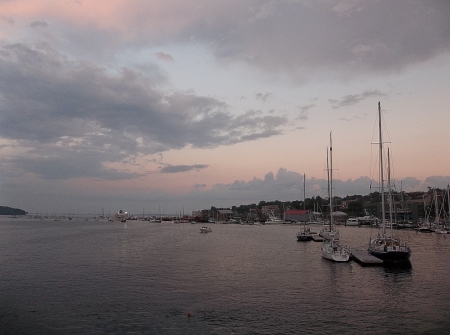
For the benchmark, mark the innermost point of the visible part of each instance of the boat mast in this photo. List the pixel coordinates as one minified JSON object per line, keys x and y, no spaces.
{"x":448,"y":199}
{"x":436,"y":207}
{"x":331,"y":183}
{"x":304,"y":191}
{"x":390,"y":192}
{"x":381,"y":169}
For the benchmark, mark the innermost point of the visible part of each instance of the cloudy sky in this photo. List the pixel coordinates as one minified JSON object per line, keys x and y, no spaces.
{"x":171,"y":105}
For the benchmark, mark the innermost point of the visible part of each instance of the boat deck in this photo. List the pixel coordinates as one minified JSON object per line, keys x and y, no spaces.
{"x":364,"y":258}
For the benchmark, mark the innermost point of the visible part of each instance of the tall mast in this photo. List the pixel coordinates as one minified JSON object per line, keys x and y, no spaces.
{"x":331,"y":182}
{"x":436,"y":206}
{"x":381,"y":169}
{"x":304,"y":191}
{"x":390,"y":192}
{"x":448,"y":199}
{"x":328,"y":181}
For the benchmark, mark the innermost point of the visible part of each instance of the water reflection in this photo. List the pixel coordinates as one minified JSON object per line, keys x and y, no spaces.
{"x":400,"y":266}
{"x":141,"y":278}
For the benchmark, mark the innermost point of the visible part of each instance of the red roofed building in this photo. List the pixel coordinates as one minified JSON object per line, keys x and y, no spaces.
{"x":299,"y":215}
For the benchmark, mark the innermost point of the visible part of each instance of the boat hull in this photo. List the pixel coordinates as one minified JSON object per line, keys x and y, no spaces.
{"x":336,"y":257}
{"x":389,"y":249}
{"x":391,"y":256}
{"x":335,"y":252}
{"x":304,"y":238}
{"x":352,"y":223}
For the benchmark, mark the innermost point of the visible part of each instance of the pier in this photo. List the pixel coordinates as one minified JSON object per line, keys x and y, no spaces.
{"x":317,"y":238}
{"x":364,"y":258}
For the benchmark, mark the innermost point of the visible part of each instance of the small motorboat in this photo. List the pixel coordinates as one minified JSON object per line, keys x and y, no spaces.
{"x":205,"y":230}
{"x":304,"y":234}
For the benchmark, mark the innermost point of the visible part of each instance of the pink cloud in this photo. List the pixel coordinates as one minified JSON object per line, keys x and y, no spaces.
{"x":156,"y":18}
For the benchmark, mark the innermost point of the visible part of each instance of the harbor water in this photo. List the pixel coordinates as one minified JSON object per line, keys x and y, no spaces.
{"x":100,"y":277}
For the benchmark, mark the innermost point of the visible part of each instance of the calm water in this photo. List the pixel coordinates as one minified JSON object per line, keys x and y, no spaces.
{"x":94,"y":277}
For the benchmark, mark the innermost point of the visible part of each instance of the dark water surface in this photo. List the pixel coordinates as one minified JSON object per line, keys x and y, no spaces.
{"x":98,"y":277}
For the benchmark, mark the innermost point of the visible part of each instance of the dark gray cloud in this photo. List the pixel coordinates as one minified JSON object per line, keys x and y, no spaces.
{"x":199,"y":186}
{"x":293,"y":38}
{"x":68,"y":166}
{"x":263,"y":96}
{"x":39,"y":24}
{"x":303,"y":112}
{"x":164,"y":56}
{"x":353,"y":99}
{"x":182,"y":168}
{"x":346,"y":37}
{"x":74,"y":110}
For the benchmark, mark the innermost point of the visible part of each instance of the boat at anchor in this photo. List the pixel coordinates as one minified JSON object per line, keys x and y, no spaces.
{"x":205,"y":230}
{"x":121,"y":216}
{"x":304,"y":234}
{"x":385,"y":246}
{"x":332,"y":249}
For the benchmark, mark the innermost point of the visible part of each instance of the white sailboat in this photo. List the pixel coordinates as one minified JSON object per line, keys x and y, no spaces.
{"x":331,"y":248}
{"x":385,"y":246}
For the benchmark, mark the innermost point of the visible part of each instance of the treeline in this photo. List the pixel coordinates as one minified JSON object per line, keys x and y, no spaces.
{"x":315,"y":203}
{"x":352,"y":204}
{"x":4,"y":210}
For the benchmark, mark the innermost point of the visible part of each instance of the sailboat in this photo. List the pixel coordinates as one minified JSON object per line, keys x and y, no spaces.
{"x":438,"y":225}
{"x":385,"y":246}
{"x":305,"y":234}
{"x":327,"y":228}
{"x":331,"y":248}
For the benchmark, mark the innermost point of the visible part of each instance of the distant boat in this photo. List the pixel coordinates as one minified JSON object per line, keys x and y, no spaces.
{"x":352,"y":222}
{"x":205,"y":230}
{"x":304,"y":234}
{"x":368,"y":220}
{"x":273,"y":220}
{"x":121,"y":216}
{"x":385,"y":246}
{"x":405,"y":224}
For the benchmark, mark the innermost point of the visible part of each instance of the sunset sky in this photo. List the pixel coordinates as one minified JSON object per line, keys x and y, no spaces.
{"x":174,"y":105}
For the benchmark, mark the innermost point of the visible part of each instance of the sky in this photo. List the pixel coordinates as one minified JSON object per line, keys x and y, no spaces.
{"x":169,"y":106}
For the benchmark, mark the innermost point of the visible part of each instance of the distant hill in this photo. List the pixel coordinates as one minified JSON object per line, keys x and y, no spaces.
{"x":11,"y":211}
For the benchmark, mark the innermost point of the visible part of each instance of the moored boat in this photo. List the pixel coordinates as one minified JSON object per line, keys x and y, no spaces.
{"x":331,"y":248}
{"x":304,"y":234}
{"x":385,"y":246}
{"x":121,"y":216}
{"x":205,"y":230}
{"x":334,"y":251}
{"x":274,"y":220}
{"x":352,"y":222}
